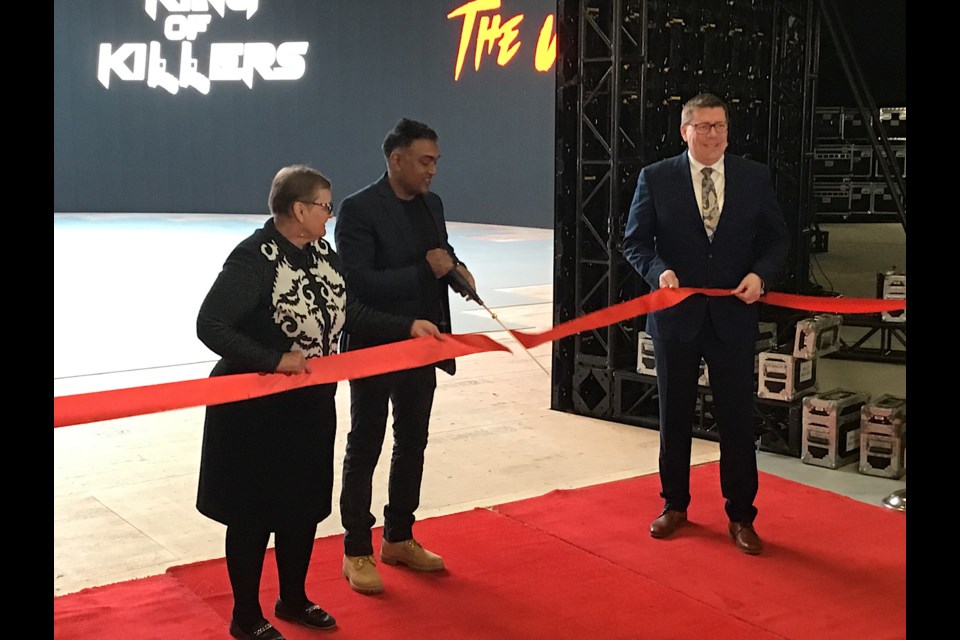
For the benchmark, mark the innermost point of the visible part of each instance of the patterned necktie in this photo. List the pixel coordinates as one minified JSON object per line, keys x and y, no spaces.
{"x":711,"y":206}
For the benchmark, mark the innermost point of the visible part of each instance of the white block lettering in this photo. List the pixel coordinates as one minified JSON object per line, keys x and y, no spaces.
{"x":115,"y":62}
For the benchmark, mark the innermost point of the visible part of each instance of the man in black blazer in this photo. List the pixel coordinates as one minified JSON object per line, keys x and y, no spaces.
{"x":670,"y":244}
{"x":392,"y":239}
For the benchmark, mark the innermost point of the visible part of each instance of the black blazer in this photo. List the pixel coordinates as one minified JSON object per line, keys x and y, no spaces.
{"x":665,"y":231}
{"x":382,"y":265}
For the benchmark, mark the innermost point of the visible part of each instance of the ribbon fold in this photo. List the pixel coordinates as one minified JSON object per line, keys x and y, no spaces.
{"x":664,"y":298}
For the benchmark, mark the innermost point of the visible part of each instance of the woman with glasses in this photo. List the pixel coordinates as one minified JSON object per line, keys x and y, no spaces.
{"x":267,"y":463}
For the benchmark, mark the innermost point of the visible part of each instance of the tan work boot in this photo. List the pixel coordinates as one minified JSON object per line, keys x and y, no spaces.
{"x":361,"y":573}
{"x":410,"y":553}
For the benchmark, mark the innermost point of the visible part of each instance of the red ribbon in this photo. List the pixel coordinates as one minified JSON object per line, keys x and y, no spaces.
{"x":122,"y":403}
{"x":663,"y":298}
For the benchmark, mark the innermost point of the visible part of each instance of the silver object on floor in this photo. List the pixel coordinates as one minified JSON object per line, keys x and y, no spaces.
{"x":896,"y":500}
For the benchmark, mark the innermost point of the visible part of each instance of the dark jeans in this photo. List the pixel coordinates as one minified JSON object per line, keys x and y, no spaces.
{"x":731,"y":380}
{"x":411,"y":394}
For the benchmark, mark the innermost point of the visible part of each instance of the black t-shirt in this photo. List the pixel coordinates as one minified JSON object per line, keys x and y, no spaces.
{"x":425,"y":231}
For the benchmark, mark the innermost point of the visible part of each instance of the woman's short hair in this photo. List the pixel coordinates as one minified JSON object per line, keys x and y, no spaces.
{"x":293,"y":183}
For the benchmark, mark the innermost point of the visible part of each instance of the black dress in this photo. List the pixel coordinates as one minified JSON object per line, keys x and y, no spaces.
{"x":268,"y":462}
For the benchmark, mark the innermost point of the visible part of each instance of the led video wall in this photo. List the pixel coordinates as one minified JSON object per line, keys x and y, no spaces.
{"x":190,"y":106}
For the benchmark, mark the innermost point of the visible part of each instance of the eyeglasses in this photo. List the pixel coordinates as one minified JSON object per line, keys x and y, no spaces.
{"x":325,"y":205}
{"x":704,"y":127}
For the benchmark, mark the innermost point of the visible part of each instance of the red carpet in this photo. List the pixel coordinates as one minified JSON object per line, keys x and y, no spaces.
{"x":154,"y":608}
{"x":832,"y":567}
{"x":572,"y":565}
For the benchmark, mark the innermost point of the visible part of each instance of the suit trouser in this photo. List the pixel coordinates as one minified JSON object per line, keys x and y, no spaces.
{"x":411,"y":394}
{"x":731,"y":367}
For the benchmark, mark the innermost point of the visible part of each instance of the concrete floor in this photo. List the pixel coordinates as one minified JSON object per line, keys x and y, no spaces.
{"x":125,"y":306}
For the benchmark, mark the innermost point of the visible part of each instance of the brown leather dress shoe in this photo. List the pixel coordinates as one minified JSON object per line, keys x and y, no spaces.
{"x":668,"y":522}
{"x":746,"y":538}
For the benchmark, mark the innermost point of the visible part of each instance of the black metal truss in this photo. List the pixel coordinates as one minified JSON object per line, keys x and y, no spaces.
{"x":874,"y":340}
{"x":599,"y":124}
{"x":795,"y":59}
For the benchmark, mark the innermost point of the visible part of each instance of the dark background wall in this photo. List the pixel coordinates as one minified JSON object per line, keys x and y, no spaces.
{"x":878,"y":34}
{"x":132,"y":148}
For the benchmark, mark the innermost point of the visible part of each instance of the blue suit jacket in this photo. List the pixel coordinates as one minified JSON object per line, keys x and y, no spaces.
{"x":665,"y":231}
{"x":383,"y":267}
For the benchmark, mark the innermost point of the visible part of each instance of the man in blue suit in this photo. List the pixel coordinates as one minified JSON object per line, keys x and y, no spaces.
{"x":707,"y":219}
{"x":392,"y":238}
